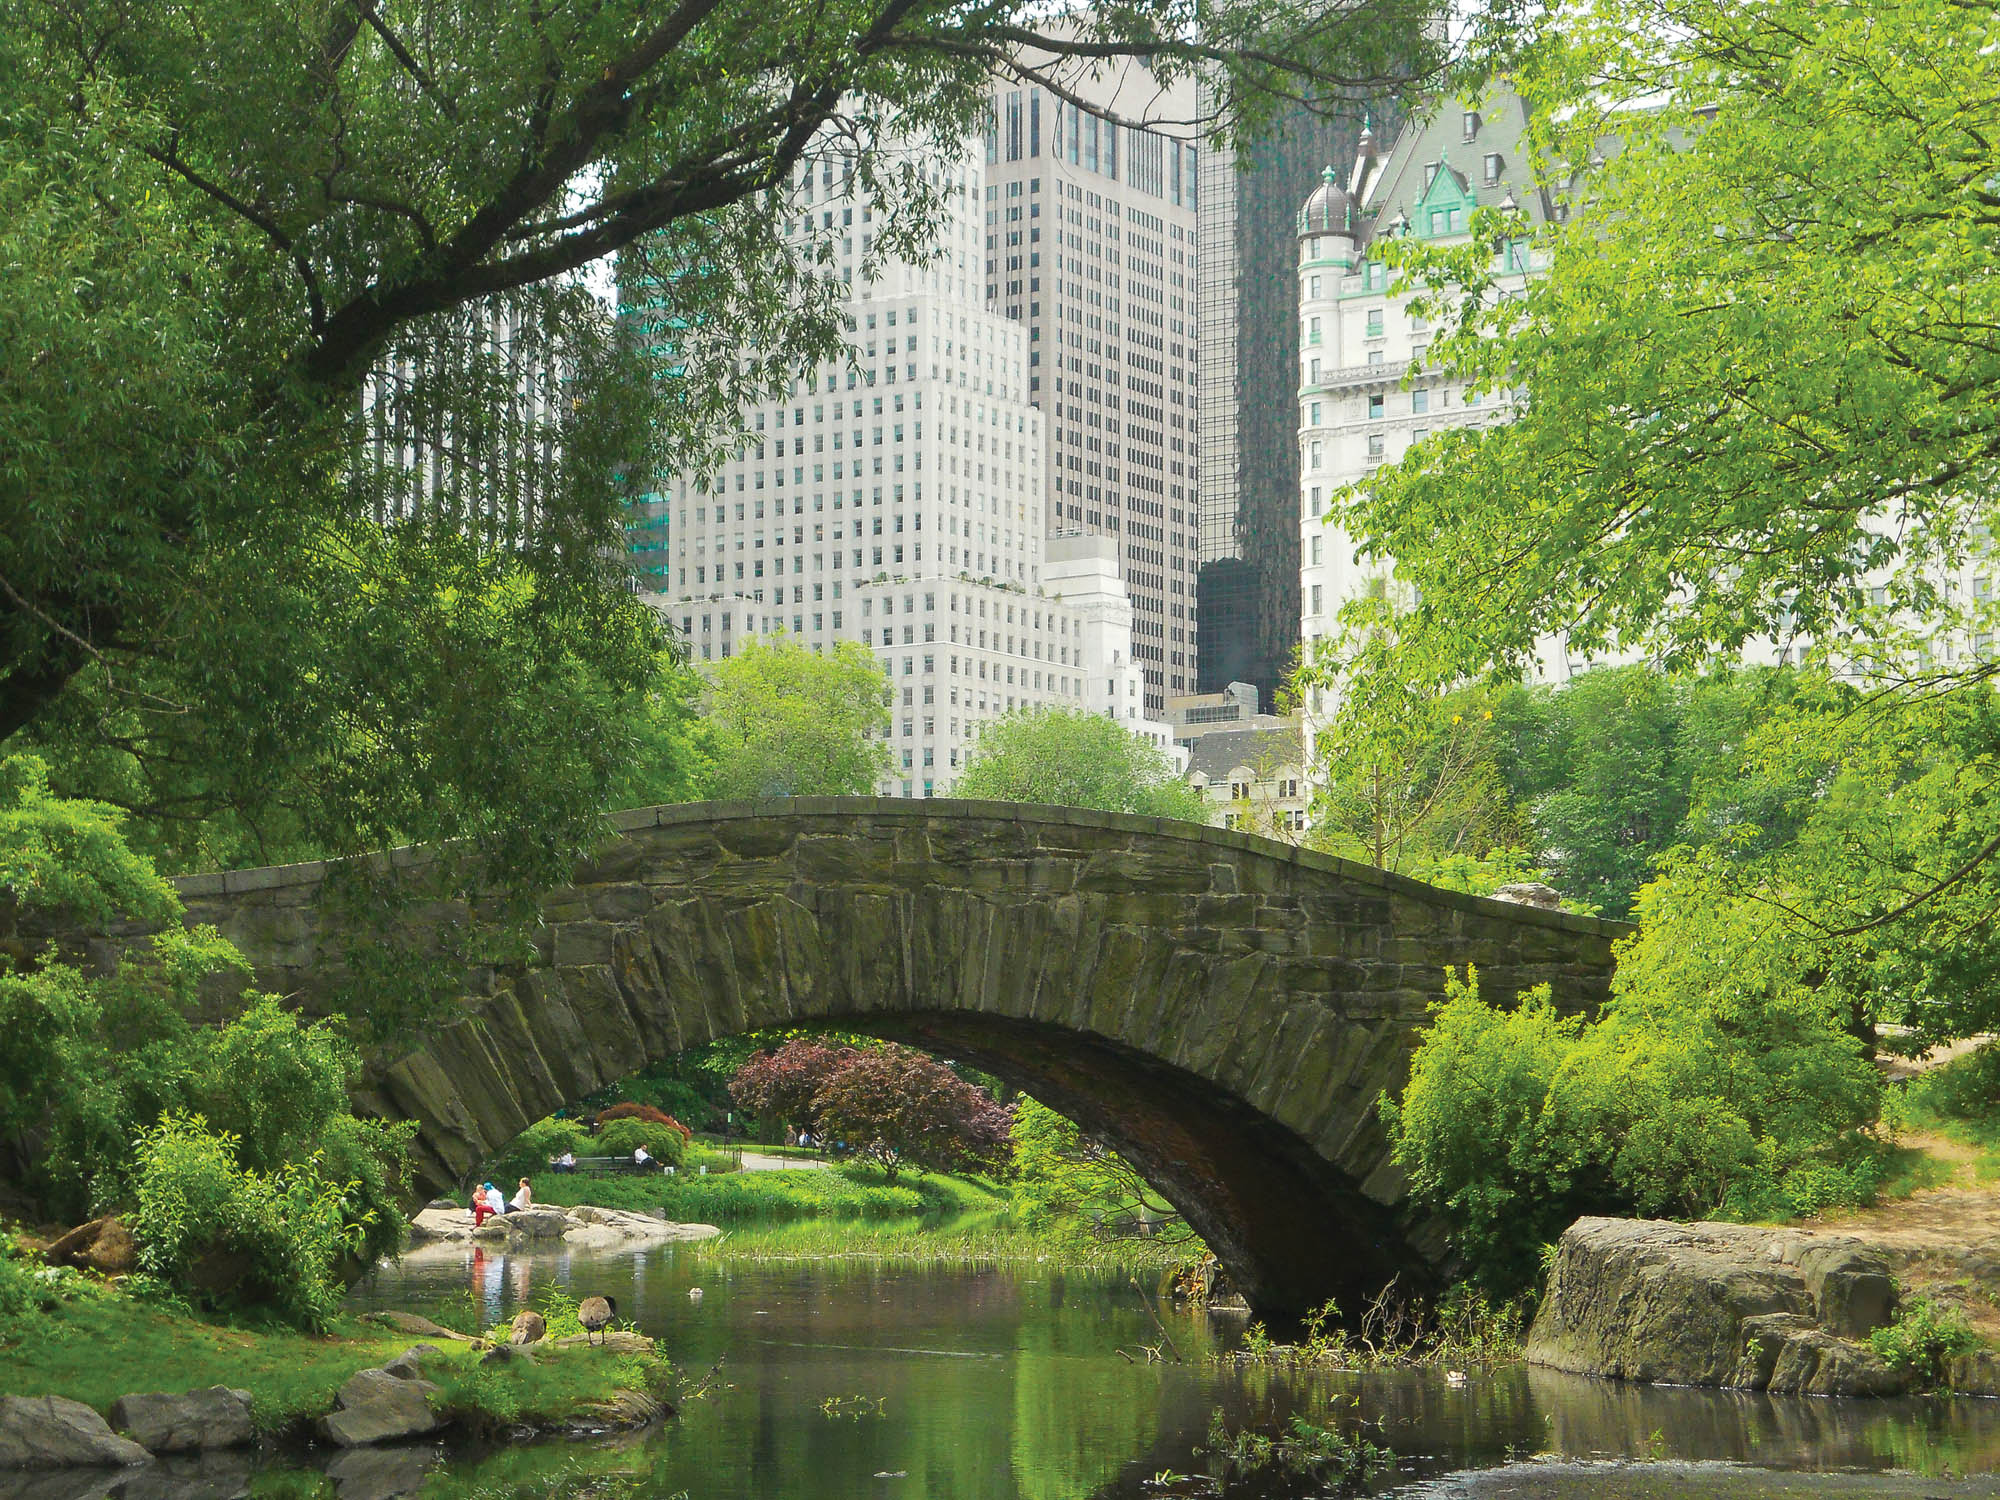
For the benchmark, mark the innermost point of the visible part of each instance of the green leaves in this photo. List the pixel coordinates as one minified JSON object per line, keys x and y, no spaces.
{"x":1706,"y":1084}
{"x":1759,"y":367}
{"x":64,"y":853}
{"x":1066,"y":757}
{"x":782,"y":721}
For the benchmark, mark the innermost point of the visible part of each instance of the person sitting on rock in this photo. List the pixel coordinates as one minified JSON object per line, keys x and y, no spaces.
{"x":523,"y":1199}
{"x":482,"y":1205}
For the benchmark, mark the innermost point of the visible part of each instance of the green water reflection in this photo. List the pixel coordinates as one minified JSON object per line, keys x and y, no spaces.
{"x":862,"y":1377}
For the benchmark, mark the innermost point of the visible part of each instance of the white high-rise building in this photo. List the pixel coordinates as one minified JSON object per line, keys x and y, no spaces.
{"x":1089,"y":230}
{"x":896,"y":498}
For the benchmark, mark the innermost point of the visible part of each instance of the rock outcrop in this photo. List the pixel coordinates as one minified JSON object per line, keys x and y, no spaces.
{"x":384,"y":1405}
{"x":1778,"y":1310}
{"x":161,"y":1422}
{"x":104,"y":1245}
{"x":587,"y":1226}
{"x":50,"y":1432}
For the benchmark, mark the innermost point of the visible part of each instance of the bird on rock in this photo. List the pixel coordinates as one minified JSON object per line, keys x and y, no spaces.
{"x":595,"y":1314}
{"x":529,"y":1327}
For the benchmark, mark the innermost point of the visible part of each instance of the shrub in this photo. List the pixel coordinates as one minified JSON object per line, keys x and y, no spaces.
{"x":230,"y":1236}
{"x":1923,"y":1340}
{"x":622,"y":1137}
{"x":1694,"y":1091}
{"x":531,"y":1151}
{"x":631,"y":1110}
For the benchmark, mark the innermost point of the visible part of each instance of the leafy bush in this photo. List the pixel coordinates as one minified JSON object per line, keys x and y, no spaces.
{"x":1923,"y":1340}
{"x":26,"y":1291}
{"x":1695,"y":1091}
{"x":228,"y":1235}
{"x":532,"y":1150}
{"x":632,"y":1110}
{"x":622,"y":1137}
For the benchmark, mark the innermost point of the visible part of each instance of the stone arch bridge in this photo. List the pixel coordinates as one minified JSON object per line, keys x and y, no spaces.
{"x":1222,"y":1009}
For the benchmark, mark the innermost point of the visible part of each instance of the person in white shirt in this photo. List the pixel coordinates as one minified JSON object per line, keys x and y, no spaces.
{"x":523,"y":1199}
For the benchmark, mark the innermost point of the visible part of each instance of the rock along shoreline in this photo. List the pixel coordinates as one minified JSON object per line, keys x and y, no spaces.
{"x":1729,"y":1306}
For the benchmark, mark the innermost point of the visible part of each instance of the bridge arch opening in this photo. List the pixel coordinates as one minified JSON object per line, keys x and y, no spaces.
{"x":1221,"y":1009}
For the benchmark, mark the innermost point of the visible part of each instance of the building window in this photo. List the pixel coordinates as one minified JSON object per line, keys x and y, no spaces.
{"x":1493,"y":166}
{"x":1374,"y":324}
{"x":1420,"y":400}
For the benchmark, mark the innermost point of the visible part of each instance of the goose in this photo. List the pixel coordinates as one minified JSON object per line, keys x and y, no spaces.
{"x":595,"y":1314}
{"x":694,"y":1294}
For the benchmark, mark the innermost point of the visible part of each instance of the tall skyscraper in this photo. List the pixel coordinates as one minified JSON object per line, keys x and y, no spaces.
{"x":896,"y":497}
{"x":1248,"y":595}
{"x":1090,"y":244}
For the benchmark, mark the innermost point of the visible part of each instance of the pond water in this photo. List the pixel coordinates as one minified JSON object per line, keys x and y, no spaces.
{"x":899,"y":1379}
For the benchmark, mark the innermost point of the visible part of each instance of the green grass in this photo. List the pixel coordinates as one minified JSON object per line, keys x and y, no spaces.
{"x":1959,"y":1101}
{"x":631,"y":1191}
{"x":793,"y":1193}
{"x":99,"y":1347}
{"x":988,"y":1238}
{"x":821,"y":1192}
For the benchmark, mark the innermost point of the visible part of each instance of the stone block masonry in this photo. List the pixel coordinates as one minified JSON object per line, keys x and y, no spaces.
{"x":1225,"y":1010}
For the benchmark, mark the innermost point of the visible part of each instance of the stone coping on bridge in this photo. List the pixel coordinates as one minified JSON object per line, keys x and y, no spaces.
{"x":273,"y":877}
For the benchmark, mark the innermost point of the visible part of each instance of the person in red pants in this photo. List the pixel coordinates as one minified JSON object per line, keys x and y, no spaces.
{"x":482,"y":1208}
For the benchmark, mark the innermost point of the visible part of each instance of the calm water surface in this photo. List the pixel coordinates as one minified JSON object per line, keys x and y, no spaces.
{"x":860,"y":1377}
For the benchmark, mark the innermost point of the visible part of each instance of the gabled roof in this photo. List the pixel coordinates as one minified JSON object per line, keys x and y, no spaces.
{"x":1390,"y":190}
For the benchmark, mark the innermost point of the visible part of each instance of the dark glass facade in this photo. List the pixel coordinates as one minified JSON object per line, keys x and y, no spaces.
{"x":1247,"y":590}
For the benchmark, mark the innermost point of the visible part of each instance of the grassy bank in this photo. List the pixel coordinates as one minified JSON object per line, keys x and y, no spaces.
{"x":795,"y":1193}
{"x":101,"y":1344}
{"x":990,"y":1238}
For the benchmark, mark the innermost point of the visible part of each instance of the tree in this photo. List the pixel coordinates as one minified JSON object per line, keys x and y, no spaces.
{"x":1067,"y":1180}
{"x":1758,"y":381}
{"x":256,"y":1106}
{"x":1404,"y":772}
{"x":1713,"y":1080}
{"x":901,"y":1108}
{"x":1607,"y":769}
{"x":890,"y":1104}
{"x":784,"y":721}
{"x":242,"y":236}
{"x":1069,"y":758}
{"x":784,"y":1085}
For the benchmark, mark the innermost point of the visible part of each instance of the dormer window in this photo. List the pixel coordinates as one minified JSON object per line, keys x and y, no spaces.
{"x":1430,"y":174}
{"x":1471,"y":124}
{"x":1493,"y":165}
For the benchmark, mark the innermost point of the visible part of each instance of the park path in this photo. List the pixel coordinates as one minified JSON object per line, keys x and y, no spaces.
{"x":757,"y":1161}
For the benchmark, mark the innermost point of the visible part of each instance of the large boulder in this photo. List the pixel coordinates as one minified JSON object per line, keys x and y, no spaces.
{"x":214,"y":1417}
{"x":528,"y":1224}
{"x":50,"y":1432}
{"x":103,"y":1245}
{"x":380,"y":1406}
{"x":1717,"y":1305}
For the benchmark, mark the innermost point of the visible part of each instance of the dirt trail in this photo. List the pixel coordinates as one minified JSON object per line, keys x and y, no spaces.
{"x":1945,"y":1240}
